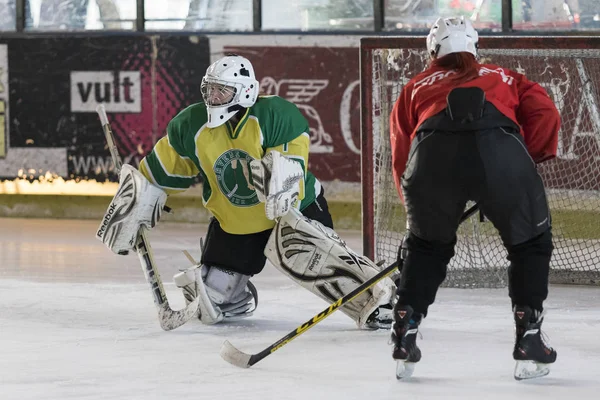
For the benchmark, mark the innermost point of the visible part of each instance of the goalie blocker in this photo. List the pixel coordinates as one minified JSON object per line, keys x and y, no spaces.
{"x":137,"y":203}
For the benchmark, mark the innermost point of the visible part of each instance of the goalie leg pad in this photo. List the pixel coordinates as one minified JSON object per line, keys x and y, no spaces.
{"x":227,"y":289}
{"x":224,"y":295}
{"x":316,"y":258}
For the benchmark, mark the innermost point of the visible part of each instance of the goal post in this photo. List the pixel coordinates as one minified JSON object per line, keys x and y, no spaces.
{"x":569,"y":69}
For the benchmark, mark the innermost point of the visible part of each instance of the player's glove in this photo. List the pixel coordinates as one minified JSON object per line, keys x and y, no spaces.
{"x":137,"y":203}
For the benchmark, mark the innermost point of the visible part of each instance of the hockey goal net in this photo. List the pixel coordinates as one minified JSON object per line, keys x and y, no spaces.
{"x":569,"y":69}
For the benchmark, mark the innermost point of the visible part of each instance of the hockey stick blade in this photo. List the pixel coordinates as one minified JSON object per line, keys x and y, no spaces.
{"x":240,"y":359}
{"x":170,"y":319}
{"x":234,"y":356}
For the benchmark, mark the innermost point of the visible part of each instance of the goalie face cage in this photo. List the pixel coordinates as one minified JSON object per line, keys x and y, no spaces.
{"x":569,"y":69}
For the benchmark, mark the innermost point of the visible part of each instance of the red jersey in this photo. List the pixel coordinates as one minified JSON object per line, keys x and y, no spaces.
{"x":518,"y":98}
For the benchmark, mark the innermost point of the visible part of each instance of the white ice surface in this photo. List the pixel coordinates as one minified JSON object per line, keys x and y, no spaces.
{"x":77,"y":322}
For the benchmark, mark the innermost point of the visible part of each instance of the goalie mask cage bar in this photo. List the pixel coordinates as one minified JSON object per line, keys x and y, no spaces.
{"x":569,"y":69}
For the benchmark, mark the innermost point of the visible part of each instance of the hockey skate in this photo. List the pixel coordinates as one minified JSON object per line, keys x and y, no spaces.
{"x":404,"y":337}
{"x":381,"y":318}
{"x":532,"y":355}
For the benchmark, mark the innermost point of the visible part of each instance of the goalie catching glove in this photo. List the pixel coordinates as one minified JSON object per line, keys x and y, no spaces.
{"x":276,"y":179}
{"x":137,"y":203}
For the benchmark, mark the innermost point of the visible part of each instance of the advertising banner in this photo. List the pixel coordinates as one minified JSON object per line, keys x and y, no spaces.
{"x":55,"y":85}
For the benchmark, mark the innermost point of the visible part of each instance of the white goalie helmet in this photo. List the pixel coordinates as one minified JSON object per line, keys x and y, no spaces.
{"x":228,"y":85}
{"x":452,"y":35}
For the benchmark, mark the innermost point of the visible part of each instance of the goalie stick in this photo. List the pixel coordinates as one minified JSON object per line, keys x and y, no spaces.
{"x":167,"y":317}
{"x":240,"y":359}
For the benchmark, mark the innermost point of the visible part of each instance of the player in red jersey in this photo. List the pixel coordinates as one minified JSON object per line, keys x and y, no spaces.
{"x":462,"y":131}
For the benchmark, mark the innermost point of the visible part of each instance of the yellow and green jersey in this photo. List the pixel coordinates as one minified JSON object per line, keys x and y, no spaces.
{"x":222,"y":156}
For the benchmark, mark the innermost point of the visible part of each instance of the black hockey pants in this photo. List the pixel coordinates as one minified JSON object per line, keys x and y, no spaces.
{"x":493,"y":168}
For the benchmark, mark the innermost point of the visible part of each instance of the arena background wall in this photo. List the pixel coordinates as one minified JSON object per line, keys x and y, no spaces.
{"x":53,"y":158}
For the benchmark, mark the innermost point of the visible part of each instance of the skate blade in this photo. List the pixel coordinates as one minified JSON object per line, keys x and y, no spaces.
{"x":530,"y":370}
{"x":378,"y":325}
{"x":404,"y":369}
{"x":236,"y":317}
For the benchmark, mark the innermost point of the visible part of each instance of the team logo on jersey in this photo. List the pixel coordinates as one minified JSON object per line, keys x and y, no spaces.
{"x":233,"y":175}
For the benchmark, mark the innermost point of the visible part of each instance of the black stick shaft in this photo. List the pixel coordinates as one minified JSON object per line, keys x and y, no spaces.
{"x":322,"y":315}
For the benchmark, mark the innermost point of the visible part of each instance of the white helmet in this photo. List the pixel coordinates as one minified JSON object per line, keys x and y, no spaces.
{"x":452,"y":35}
{"x":228,"y":86}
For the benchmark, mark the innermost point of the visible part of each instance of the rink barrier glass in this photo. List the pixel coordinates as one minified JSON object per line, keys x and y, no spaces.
{"x":296,"y":16}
